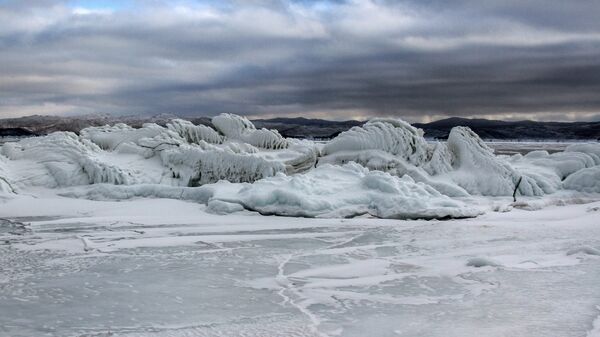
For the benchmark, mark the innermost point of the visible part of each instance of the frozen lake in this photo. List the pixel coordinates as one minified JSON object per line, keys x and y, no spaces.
{"x":166,"y":268}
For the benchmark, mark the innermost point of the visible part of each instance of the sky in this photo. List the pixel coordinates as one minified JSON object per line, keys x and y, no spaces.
{"x":419,"y":60}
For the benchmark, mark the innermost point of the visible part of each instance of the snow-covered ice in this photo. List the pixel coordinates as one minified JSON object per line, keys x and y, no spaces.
{"x":161,"y":267}
{"x":190,"y":230}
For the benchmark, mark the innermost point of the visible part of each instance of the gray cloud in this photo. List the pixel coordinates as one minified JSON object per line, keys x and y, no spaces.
{"x":332,"y":59}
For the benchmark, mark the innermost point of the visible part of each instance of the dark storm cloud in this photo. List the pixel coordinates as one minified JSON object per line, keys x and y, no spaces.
{"x":332,"y":59}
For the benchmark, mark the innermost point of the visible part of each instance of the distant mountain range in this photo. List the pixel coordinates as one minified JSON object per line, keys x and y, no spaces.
{"x":319,"y":128}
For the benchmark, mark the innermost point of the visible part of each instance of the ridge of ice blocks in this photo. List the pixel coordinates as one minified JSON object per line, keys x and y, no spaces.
{"x":240,"y":128}
{"x":384,"y":168}
{"x":346,"y":191}
{"x":180,"y":154}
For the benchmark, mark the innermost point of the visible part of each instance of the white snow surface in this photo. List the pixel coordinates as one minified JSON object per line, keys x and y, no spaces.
{"x":384,"y":168}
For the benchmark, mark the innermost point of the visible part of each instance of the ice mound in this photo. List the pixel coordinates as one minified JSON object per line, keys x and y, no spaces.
{"x":393,"y":136}
{"x":240,"y":128}
{"x":194,"y":134}
{"x":378,"y":160}
{"x":479,"y":171}
{"x":195,"y":166}
{"x":180,"y":154}
{"x":126,"y":192}
{"x":585,"y":180}
{"x":591,"y":149}
{"x":396,"y":147}
{"x":110,"y":137}
{"x":347,"y":191}
{"x":562,"y":163}
{"x":62,"y":159}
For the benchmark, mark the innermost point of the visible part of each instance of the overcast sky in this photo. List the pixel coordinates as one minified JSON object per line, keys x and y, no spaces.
{"x":418,"y":59}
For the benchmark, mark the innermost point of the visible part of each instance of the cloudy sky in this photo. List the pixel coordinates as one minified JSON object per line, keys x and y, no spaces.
{"x":418,"y":59}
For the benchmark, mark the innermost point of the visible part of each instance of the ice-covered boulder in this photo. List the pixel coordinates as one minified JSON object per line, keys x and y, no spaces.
{"x":346,"y":191}
{"x":584,"y":180}
{"x":240,"y":128}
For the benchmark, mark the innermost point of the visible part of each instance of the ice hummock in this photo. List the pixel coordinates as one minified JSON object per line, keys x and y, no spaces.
{"x":347,"y":191}
{"x":384,"y":168}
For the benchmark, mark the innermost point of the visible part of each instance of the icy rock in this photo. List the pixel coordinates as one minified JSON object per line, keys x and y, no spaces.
{"x":240,"y":128}
{"x":347,"y":191}
{"x":585,"y":180}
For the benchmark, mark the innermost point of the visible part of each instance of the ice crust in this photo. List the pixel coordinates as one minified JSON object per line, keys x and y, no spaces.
{"x":384,"y":168}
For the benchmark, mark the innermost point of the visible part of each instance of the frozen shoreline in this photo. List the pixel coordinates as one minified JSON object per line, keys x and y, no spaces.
{"x":160,"y":267}
{"x":162,"y":231}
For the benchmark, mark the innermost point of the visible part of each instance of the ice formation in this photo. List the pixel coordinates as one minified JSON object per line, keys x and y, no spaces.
{"x":346,"y":191}
{"x":392,"y":136}
{"x":63,"y":159}
{"x":479,"y":171}
{"x":240,"y":128}
{"x":384,"y":168}
{"x":585,"y":180}
{"x":195,"y":134}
